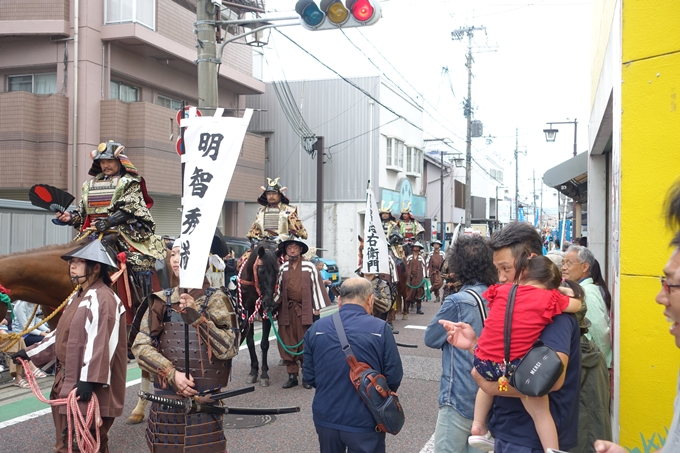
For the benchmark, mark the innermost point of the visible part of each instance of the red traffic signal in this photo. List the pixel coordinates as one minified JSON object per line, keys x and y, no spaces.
{"x":332,"y":14}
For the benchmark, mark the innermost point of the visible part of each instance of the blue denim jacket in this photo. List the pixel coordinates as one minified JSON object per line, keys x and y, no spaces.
{"x":457,"y":387}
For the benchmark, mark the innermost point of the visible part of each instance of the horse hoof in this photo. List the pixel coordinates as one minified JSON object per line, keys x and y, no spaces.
{"x":251,"y":379}
{"x":264,"y":382}
{"x":134,"y":419}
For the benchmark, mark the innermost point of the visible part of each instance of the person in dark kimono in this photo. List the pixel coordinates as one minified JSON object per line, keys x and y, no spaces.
{"x":214,"y":341}
{"x":415,"y":275}
{"x":300,"y":294}
{"x":89,"y":344}
{"x":435,"y":263}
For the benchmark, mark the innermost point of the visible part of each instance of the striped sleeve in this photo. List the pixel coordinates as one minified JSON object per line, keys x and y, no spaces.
{"x":102,"y":331}
{"x":319,"y":295}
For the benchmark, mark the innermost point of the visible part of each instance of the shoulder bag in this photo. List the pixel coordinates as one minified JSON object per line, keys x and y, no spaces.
{"x":539,"y":369}
{"x":372,"y":386}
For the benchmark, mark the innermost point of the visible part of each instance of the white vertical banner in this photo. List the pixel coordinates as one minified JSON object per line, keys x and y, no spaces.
{"x":375,"y":259}
{"x":212,"y":147}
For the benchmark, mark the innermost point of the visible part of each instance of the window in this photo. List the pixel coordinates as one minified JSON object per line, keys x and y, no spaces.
{"x":123,"y":92}
{"x":414,"y":160}
{"x":399,"y":156}
{"x":388,"y":153}
{"x":33,"y":83}
{"x":168,"y":102}
{"x":140,"y":11}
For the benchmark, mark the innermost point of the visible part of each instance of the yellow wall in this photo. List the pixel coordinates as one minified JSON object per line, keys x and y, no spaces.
{"x":650,"y":153}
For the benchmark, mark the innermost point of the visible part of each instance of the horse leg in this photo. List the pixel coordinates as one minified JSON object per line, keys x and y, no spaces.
{"x":254,"y":364}
{"x":264,"y":344}
{"x":137,"y":414}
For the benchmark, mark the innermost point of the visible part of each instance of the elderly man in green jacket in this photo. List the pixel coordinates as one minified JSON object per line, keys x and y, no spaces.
{"x":593,"y":419}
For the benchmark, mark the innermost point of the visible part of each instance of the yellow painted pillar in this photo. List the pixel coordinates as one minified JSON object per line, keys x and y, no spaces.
{"x":649,"y":361}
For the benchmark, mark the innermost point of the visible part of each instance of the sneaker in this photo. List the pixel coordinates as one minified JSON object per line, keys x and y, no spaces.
{"x":483,"y":443}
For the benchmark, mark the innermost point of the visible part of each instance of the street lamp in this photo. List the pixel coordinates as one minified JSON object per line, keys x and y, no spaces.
{"x":551,"y":133}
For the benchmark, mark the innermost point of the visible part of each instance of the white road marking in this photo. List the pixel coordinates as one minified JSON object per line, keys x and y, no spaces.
{"x":411,"y":326}
{"x":42,"y":412}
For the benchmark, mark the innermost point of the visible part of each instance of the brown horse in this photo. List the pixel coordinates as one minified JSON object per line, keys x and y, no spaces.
{"x":41,"y":277}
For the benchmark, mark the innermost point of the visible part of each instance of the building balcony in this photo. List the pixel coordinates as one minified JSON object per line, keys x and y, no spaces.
{"x":149,"y":133}
{"x":33,"y":140}
{"x":35,"y":17}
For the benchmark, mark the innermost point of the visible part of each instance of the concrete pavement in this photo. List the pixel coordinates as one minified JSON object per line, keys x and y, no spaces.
{"x":26,"y":426}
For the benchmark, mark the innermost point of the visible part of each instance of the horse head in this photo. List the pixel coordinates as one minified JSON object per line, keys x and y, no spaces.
{"x":267,"y":271}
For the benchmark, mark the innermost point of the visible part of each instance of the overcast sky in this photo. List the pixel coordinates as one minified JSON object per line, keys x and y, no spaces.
{"x":531,"y":66}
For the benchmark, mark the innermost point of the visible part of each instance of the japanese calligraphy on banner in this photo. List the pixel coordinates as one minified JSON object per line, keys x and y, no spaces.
{"x":212,"y":147}
{"x":375,"y":259}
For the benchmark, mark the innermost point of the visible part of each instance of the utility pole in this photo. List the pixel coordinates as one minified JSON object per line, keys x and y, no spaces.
{"x":534,"y":194}
{"x":206,"y":14}
{"x":540,"y":215}
{"x":441,"y":196}
{"x":318,"y":146}
{"x":467,"y":111}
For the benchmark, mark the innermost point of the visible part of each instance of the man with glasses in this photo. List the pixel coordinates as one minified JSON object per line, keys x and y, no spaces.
{"x":669,"y":297}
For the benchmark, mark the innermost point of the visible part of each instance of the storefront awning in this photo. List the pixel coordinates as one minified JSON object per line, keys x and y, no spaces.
{"x":570,"y":177}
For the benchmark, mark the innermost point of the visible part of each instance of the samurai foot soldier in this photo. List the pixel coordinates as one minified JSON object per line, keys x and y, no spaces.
{"x":415,"y":275}
{"x":88,"y":344}
{"x":435,"y":263}
{"x":160,"y":349}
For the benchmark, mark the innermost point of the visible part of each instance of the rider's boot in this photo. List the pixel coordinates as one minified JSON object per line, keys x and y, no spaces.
{"x":291,"y":382}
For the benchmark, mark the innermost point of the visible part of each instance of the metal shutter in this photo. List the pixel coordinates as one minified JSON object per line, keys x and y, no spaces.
{"x":167,"y":215}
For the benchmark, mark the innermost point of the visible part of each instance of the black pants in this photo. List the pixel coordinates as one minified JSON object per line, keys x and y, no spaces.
{"x":335,"y":441}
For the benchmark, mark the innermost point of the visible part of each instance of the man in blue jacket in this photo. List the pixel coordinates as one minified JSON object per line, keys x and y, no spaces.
{"x":341,"y":418}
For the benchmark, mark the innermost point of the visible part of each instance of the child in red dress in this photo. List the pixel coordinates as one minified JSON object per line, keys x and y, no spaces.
{"x":538,"y":299}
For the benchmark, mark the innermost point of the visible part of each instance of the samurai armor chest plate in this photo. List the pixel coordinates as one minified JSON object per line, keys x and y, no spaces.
{"x":271,"y":219}
{"x":100,"y":193}
{"x":208,"y":375}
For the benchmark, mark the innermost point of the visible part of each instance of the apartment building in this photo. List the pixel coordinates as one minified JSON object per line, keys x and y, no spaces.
{"x":74,"y":73}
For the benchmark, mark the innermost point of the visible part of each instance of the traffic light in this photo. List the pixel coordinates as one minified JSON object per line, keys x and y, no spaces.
{"x":333,"y":14}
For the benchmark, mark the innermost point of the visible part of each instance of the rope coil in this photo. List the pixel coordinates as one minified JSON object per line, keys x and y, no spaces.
{"x":87,"y":443}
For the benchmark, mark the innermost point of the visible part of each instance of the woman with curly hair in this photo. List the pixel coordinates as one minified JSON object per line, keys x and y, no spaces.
{"x":471,"y":260}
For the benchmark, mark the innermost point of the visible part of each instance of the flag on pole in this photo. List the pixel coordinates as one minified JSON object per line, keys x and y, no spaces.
{"x":212,"y":146}
{"x":375,"y":258}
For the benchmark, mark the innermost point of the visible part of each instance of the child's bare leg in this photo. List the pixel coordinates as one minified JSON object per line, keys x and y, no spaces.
{"x":483,"y":403}
{"x":539,"y":409}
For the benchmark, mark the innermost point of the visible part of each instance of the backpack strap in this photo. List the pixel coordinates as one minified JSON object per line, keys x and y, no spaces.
{"x":480,"y":304}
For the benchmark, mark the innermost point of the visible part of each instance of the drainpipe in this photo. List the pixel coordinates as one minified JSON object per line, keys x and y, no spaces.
{"x":74,"y":151}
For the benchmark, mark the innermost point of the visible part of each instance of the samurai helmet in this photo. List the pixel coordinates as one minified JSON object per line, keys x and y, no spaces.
{"x":294,"y":240}
{"x":406,"y":208}
{"x":436,"y":241}
{"x":94,"y":251}
{"x":272,"y":186}
{"x":386,"y":208}
{"x":417,"y":244}
{"x":110,"y":150}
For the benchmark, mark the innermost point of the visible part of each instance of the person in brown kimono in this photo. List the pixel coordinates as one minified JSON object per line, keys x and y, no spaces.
{"x":300,"y":294}
{"x":415,"y":276}
{"x":435,"y":263}
{"x":213,"y":341}
{"x":89,"y":344}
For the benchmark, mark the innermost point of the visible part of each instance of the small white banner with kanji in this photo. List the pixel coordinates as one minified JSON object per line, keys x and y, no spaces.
{"x":375,"y":259}
{"x":212,"y":147}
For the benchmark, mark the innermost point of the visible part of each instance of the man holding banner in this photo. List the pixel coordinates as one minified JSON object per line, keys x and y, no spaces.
{"x":202,"y":316}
